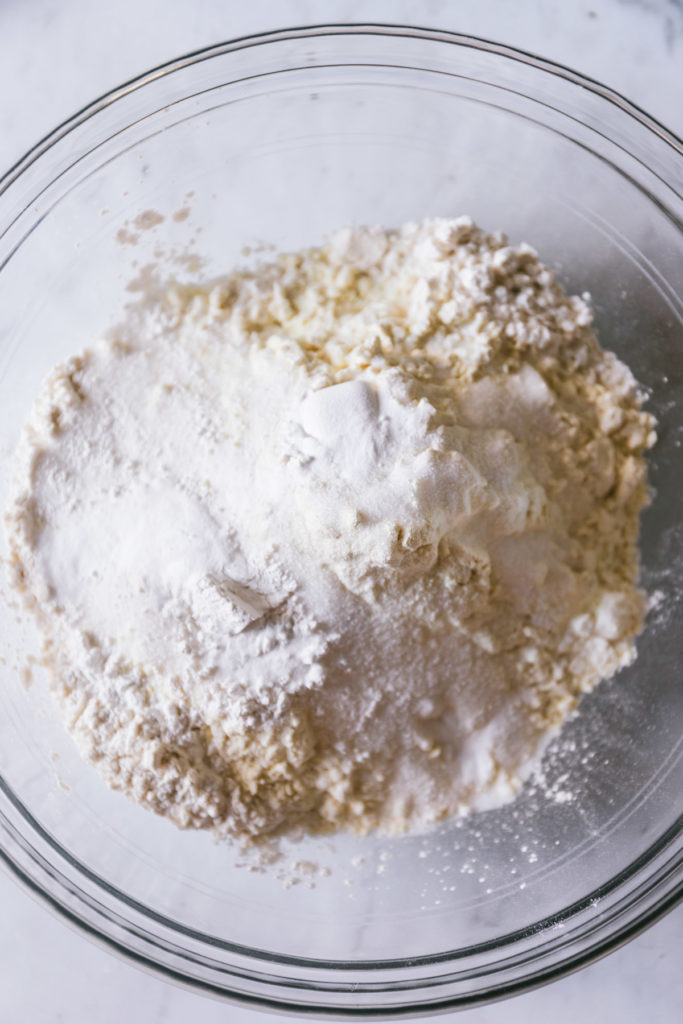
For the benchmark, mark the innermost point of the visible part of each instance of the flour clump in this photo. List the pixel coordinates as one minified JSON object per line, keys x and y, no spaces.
{"x":338,"y":541}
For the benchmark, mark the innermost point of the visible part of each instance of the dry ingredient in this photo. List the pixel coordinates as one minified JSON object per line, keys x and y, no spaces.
{"x":338,"y":541}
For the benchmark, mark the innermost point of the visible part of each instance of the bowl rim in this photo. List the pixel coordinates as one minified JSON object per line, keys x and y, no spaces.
{"x":395,"y":29}
{"x":536,"y":977}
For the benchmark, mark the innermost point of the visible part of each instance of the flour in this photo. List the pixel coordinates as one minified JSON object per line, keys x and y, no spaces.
{"x":337,"y":542}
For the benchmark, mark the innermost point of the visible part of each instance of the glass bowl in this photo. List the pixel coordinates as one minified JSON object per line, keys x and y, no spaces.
{"x":276,"y":140}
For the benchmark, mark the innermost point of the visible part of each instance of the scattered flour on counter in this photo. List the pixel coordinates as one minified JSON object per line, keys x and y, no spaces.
{"x":337,"y":542}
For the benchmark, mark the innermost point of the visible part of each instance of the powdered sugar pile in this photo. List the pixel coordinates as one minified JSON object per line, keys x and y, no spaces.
{"x":337,"y":542}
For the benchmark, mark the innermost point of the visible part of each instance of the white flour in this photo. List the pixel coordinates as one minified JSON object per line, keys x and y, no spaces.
{"x":337,"y":542}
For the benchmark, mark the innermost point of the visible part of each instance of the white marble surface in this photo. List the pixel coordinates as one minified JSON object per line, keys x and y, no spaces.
{"x":55,"y":55}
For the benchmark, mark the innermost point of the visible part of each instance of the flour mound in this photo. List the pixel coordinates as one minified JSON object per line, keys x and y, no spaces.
{"x":339,"y":541}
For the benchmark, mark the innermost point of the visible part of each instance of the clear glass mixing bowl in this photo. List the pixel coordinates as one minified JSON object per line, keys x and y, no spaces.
{"x":278,"y":139}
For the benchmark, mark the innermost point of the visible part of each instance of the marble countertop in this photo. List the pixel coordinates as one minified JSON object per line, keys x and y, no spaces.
{"x":56,"y":55}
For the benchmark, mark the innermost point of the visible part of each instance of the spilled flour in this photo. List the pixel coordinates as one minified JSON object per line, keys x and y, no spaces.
{"x":337,"y":542}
